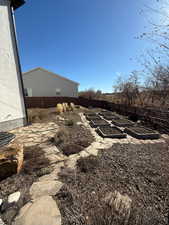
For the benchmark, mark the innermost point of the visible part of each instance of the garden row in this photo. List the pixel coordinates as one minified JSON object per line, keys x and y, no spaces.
{"x":153,"y":117}
{"x":112,"y":125}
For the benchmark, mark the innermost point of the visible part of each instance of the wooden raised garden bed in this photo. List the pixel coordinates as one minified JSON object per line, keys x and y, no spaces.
{"x":93,"y":117}
{"x":122,"y":122}
{"x":105,"y":113}
{"x":90,"y":114}
{"x":142,"y":133}
{"x":98,"y":122}
{"x":110,"y":132}
{"x":111,"y":117}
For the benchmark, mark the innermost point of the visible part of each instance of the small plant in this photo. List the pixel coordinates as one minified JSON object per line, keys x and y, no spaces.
{"x":70,"y":149}
{"x":59,"y":108}
{"x":69,"y":122}
{"x":43,"y":171}
{"x":60,"y":136}
{"x":87,"y":165}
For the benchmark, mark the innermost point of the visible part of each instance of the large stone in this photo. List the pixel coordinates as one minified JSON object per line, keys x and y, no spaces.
{"x":42,"y":188}
{"x":1,"y":222}
{"x":11,"y":160}
{"x":42,"y":211}
{"x":14,"y":197}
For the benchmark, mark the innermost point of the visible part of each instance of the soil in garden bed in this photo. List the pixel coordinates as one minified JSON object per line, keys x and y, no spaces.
{"x":111,"y":117}
{"x":99,"y":122}
{"x":142,"y":130}
{"x":122,"y":122}
{"x":73,"y":139}
{"x":95,"y":117}
{"x":140,"y":171}
{"x":107,"y":130}
{"x":106,"y":113}
{"x":142,"y":133}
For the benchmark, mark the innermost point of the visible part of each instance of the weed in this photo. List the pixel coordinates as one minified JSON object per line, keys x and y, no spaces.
{"x":44,"y":171}
{"x":69,"y":149}
{"x":69,"y":123}
{"x":87,"y":165}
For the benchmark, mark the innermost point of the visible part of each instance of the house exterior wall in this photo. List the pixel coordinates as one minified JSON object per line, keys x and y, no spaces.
{"x":40,"y":83}
{"x":12,"y":110}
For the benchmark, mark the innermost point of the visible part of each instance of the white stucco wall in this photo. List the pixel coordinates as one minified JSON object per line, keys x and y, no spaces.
{"x":11,"y":98}
{"x":44,"y":84}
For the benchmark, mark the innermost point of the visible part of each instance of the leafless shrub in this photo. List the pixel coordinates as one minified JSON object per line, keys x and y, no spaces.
{"x":69,"y":149}
{"x":128,"y":90}
{"x":61,"y":136}
{"x":69,"y":122}
{"x":44,"y":171}
{"x":37,"y":115}
{"x":91,"y":94}
{"x":87,"y":165}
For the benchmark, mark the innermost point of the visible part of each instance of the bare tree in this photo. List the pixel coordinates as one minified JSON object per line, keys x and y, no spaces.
{"x":128,"y":89}
{"x":159,"y":83}
{"x":90,"y":94}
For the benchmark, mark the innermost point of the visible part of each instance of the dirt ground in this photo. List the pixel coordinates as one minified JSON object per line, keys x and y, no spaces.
{"x":140,"y":171}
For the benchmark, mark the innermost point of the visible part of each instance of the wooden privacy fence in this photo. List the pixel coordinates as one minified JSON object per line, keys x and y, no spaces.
{"x":157,"y":118}
{"x":47,"y":102}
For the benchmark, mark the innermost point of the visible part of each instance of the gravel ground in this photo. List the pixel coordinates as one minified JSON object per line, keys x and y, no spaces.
{"x":140,"y":171}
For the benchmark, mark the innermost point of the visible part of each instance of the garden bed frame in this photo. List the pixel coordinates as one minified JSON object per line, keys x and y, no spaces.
{"x":111,"y":117}
{"x":95,"y":124}
{"x":120,"y":122}
{"x":149,"y":135}
{"x":120,"y":133}
{"x":94,"y":117}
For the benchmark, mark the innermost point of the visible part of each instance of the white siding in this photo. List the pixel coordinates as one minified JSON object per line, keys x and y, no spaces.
{"x":11,"y":99}
{"x":44,"y":84}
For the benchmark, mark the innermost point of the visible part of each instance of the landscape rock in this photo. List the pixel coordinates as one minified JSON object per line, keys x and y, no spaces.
{"x":1,"y":201}
{"x":79,"y":124}
{"x":11,"y":160}
{"x":42,"y":211}
{"x":1,"y":222}
{"x":120,"y":203}
{"x":14,"y":197}
{"x":41,"y":188}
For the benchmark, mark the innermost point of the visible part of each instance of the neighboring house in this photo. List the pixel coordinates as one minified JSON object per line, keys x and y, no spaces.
{"x":43,"y":83}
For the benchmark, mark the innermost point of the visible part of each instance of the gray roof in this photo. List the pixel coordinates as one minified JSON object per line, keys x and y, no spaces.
{"x":47,"y":71}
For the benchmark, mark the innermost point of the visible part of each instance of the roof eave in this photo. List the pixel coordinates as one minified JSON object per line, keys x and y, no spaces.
{"x":17,"y":3}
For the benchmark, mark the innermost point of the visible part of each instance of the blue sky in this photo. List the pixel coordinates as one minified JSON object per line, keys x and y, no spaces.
{"x":89,"y":41}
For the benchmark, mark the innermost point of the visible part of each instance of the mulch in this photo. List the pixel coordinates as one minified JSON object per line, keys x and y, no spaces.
{"x":74,"y":139}
{"x":140,"y":171}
